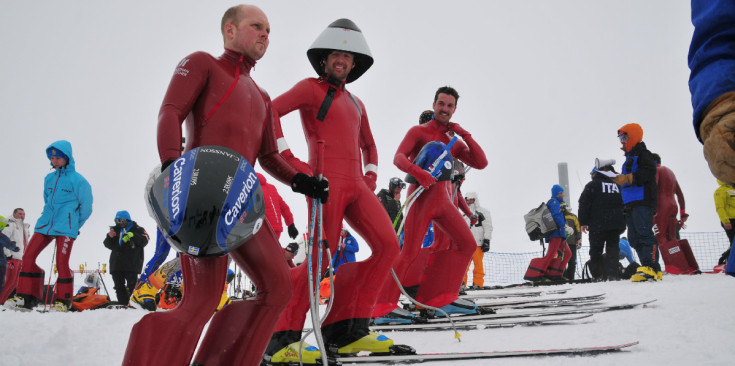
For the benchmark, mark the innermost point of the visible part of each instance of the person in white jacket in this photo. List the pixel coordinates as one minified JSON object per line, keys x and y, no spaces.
{"x":17,"y":231}
{"x":483,"y":232}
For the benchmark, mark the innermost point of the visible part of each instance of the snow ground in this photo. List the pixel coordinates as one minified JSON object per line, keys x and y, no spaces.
{"x":690,"y":323}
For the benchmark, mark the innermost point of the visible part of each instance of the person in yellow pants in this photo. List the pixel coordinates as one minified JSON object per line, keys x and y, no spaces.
{"x":483,"y":232}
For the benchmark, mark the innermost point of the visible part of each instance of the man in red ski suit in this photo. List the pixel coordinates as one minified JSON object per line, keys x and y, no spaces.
{"x":443,"y":276}
{"x":331,"y":114}
{"x":223,"y":106}
{"x":275,"y":208}
{"x":677,"y":254}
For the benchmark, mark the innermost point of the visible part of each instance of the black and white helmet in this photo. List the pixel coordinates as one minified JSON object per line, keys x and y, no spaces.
{"x":342,"y":35}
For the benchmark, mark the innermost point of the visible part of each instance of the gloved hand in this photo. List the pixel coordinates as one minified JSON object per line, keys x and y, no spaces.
{"x":485,"y":245}
{"x":165,"y":165}
{"x":310,"y":187}
{"x":126,"y":238}
{"x":568,"y":230}
{"x":473,"y":220}
{"x":622,"y":179}
{"x":15,"y":247}
{"x":717,"y":137}
{"x":456,"y":128}
{"x":292,"y":232}
{"x":422,"y":176}
{"x":371,"y":180}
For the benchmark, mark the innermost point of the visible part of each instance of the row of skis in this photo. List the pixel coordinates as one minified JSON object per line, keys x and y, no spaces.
{"x":506,"y":307}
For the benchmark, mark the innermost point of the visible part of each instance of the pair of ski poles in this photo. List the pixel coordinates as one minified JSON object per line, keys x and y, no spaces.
{"x":316,"y":237}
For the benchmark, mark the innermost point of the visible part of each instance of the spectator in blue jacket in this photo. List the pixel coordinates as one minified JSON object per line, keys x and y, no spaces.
{"x":67,"y":198}
{"x":346,"y":251}
{"x":712,"y":84}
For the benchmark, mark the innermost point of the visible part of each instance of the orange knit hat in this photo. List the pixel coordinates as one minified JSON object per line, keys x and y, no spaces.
{"x":635,"y":135}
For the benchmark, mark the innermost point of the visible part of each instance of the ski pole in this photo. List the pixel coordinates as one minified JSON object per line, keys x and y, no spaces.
{"x":48,"y":285}
{"x":313,"y":288}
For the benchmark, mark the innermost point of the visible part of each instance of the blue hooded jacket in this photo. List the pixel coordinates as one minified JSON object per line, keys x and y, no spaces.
{"x":554,"y":205}
{"x":67,"y":198}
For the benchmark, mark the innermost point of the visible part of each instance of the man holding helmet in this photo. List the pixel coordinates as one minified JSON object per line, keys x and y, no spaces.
{"x":227,"y":117}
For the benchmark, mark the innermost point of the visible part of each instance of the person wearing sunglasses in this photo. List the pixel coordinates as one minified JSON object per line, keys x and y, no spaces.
{"x":640,"y":198}
{"x":126,"y":241}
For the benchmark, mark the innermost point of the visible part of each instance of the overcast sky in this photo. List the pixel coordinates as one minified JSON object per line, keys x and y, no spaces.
{"x":540,"y":82}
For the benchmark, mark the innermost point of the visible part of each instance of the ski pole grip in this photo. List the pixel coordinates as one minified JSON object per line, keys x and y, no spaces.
{"x":320,"y":158}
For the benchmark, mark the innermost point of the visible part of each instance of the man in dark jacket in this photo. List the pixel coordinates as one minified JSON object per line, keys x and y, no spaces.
{"x":391,"y":200}
{"x":126,"y":241}
{"x":601,"y":214}
{"x":640,"y":192}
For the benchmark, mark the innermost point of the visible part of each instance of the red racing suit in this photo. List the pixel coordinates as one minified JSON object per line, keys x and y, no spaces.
{"x":443,"y":275}
{"x":677,"y":254}
{"x":275,"y":207}
{"x":223,"y":106}
{"x":348,"y":146}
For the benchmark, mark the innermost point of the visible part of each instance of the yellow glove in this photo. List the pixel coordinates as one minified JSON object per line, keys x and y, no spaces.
{"x":623,"y":179}
{"x":127,"y":237}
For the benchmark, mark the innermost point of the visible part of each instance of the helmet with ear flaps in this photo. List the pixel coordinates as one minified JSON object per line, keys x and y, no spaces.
{"x":342,"y":35}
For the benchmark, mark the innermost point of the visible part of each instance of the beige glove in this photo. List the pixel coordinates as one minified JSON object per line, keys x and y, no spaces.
{"x":718,"y":135}
{"x":623,"y":179}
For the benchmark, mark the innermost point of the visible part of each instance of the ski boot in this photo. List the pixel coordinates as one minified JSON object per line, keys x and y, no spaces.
{"x":290,"y":355}
{"x":59,"y":307}
{"x":397,"y":316}
{"x":459,"y":306}
{"x":283,"y":350}
{"x":351,"y":336}
{"x":145,"y":296}
{"x":21,"y":303}
{"x":646,"y":273}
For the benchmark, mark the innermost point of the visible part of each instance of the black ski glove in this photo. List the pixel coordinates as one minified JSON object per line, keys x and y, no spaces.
{"x":292,"y":232}
{"x":310,"y":187}
{"x":165,"y":165}
{"x":485,"y":245}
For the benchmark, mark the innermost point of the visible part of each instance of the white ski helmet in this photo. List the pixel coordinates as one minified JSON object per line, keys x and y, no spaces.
{"x":341,"y":35}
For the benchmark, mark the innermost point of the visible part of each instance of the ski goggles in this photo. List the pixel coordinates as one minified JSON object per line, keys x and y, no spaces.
{"x":120,"y":221}
{"x":623,"y":137}
{"x":398,"y":183}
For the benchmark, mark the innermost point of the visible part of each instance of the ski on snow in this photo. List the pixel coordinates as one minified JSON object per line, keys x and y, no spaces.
{"x":543,"y":302}
{"x":424,"y":357}
{"x":584,"y":308}
{"x":482,"y":323}
{"x":513,"y":292}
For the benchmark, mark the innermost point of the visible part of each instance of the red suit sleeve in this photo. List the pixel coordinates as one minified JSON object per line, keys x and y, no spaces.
{"x":295,"y":98}
{"x":406,"y":151}
{"x":183,"y":91}
{"x":285,"y":211}
{"x":470,"y":153}
{"x":367,"y":144}
{"x":463,"y":206}
{"x":679,"y":196}
{"x":271,"y":161}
